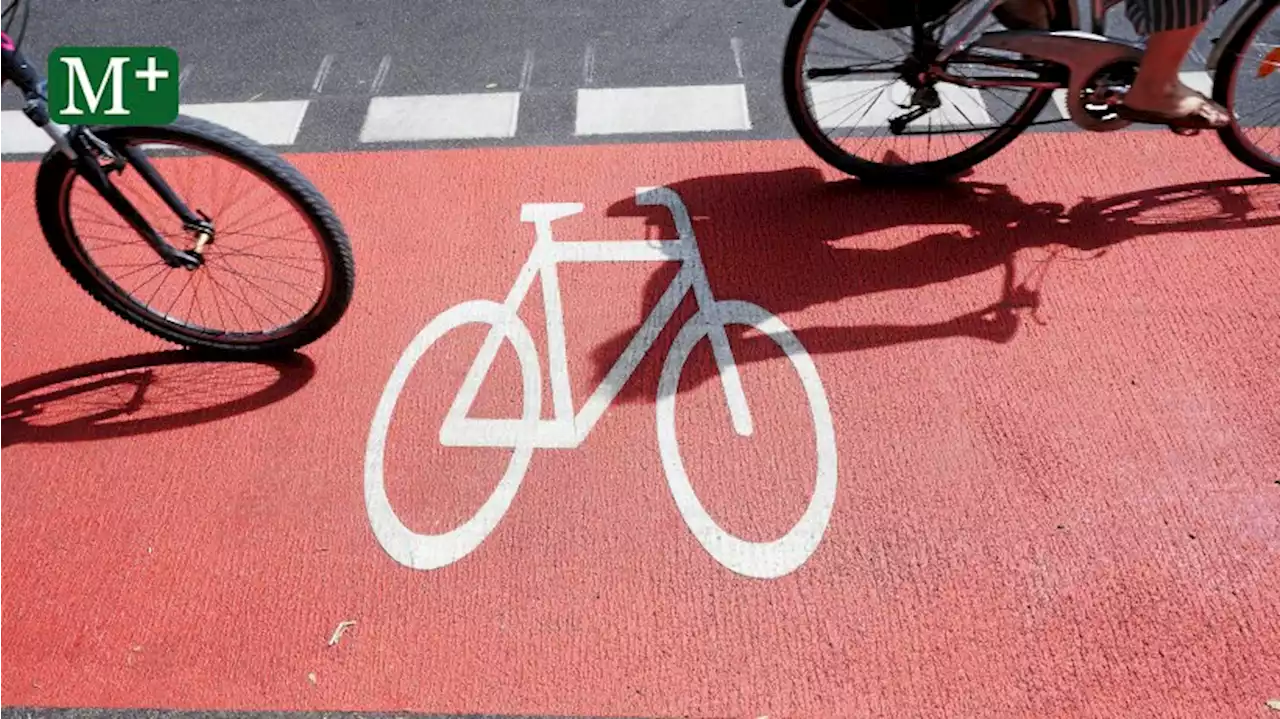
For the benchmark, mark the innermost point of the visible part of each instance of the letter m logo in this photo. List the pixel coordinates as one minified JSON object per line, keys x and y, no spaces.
{"x":113,"y":85}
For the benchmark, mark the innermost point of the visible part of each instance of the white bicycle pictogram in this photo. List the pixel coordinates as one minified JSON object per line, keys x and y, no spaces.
{"x":766,"y":559}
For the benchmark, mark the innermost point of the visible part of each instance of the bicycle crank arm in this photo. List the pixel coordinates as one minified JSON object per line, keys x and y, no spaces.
{"x":92,"y":172}
{"x":1085,"y":55}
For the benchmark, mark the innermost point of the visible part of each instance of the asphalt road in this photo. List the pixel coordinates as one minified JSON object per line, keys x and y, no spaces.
{"x":240,"y":51}
{"x":339,"y":53}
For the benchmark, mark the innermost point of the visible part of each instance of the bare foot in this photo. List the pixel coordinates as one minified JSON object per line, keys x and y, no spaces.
{"x":1178,"y":106}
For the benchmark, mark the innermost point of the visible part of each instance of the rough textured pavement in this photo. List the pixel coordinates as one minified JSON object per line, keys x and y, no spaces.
{"x":1071,"y":512}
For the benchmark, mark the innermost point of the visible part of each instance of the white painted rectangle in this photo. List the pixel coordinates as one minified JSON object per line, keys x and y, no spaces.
{"x":270,"y":122}
{"x":1060,"y":102}
{"x":690,"y":108}
{"x":19,"y":135}
{"x":1198,"y":80}
{"x":872,"y":103}
{"x":441,"y":117}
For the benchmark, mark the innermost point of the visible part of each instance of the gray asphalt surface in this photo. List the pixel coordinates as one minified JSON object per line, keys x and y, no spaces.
{"x":272,"y":50}
{"x":239,"y":50}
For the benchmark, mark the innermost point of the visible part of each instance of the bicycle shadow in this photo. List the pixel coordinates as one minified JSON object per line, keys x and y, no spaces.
{"x":773,"y":232}
{"x":143,"y":393}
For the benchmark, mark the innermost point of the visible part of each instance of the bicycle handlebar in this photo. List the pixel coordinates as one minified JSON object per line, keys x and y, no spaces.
{"x":667,"y":197}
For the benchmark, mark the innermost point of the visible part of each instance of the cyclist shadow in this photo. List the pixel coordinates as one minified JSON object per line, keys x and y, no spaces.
{"x":142,"y":394}
{"x":769,"y":235}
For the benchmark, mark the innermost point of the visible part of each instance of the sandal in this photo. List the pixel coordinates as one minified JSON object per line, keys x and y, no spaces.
{"x":1201,"y":118}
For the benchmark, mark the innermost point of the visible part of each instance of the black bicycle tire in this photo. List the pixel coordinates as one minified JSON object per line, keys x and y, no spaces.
{"x":933,"y":170}
{"x":52,"y":207}
{"x":1228,"y":66}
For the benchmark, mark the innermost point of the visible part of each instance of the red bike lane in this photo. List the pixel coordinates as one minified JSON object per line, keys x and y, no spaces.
{"x":1050,"y":391}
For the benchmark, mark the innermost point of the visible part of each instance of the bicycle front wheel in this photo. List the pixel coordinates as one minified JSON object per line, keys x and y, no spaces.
{"x":1252,"y":60}
{"x":277,"y":274}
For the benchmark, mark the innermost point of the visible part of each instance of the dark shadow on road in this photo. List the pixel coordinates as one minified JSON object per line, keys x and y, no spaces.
{"x":143,"y":393}
{"x":773,"y":232}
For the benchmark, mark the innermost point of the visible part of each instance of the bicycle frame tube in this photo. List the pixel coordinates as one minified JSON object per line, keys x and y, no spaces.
{"x":565,"y":430}
{"x":968,"y":29}
{"x":1097,"y":22}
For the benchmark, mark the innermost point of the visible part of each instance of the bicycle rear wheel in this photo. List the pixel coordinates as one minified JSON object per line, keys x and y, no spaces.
{"x":253,"y":252}
{"x":860,"y":88}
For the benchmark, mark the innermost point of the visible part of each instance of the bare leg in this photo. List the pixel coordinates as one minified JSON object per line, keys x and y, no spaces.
{"x":1157,"y":88}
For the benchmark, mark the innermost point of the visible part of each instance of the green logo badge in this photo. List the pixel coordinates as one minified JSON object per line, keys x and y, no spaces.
{"x":113,"y":85}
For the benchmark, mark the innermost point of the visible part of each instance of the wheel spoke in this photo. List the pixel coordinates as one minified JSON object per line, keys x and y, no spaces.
{"x":844,"y":110}
{"x":274,"y":260}
{"x":1251,"y":88}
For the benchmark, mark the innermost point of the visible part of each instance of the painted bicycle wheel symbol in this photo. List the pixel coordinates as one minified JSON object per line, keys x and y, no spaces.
{"x":767,"y":559}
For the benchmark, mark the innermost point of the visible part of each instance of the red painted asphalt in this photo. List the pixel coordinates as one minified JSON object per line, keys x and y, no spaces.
{"x":1071,"y":512}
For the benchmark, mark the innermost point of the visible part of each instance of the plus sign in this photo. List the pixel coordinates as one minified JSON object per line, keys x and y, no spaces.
{"x":151,"y":74}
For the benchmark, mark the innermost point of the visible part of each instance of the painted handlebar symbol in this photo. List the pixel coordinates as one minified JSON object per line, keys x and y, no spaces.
{"x":567,"y":430}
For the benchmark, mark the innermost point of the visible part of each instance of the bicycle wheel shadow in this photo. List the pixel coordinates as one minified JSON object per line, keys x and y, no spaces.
{"x":774,"y":232}
{"x":143,"y":393}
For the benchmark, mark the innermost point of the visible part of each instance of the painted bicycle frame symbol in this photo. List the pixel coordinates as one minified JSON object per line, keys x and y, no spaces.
{"x":566,"y":430}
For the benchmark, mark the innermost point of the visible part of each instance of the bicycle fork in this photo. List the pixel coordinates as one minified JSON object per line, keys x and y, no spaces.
{"x":86,"y":152}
